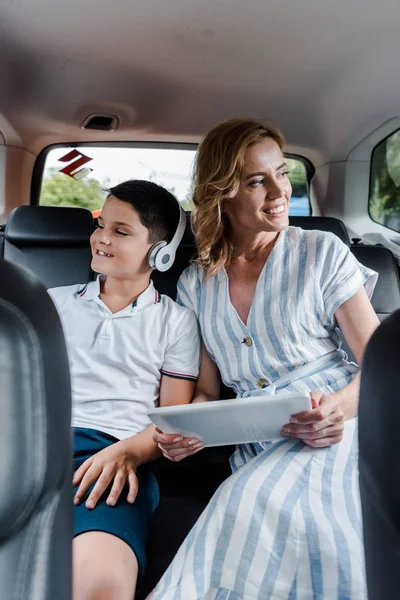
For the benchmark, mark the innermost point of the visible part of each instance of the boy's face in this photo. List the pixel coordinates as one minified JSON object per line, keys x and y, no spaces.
{"x":120,"y":244}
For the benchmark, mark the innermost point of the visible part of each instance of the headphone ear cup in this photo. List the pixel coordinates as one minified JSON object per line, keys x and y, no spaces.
{"x":164,"y":258}
{"x":162,"y":254}
{"x":155,"y":256}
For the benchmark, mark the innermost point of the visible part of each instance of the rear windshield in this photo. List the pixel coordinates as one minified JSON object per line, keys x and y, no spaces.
{"x":80,"y":176}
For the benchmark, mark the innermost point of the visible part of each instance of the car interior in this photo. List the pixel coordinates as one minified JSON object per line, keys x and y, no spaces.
{"x":78,"y":78}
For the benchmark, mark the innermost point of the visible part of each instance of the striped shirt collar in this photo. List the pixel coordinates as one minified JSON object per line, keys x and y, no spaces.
{"x":91,"y":291}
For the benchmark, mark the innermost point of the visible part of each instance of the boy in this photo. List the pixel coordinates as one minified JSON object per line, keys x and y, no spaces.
{"x":129,"y":348}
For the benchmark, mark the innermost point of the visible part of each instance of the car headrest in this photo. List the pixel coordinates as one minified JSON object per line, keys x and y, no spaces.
{"x":386,"y":297}
{"x":188,"y":237}
{"x":331,"y":224}
{"x":49,"y":226}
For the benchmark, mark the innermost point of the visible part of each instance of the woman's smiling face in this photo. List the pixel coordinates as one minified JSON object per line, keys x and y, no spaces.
{"x":263,"y":197}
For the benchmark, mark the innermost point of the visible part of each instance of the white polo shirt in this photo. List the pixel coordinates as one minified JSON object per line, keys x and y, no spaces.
{"x":116,"y":360}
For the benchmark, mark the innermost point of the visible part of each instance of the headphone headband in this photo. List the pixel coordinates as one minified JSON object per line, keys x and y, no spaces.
{"x":162,"y":254}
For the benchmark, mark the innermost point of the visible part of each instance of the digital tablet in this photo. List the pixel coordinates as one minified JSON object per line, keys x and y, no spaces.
{"x":237,"y":421}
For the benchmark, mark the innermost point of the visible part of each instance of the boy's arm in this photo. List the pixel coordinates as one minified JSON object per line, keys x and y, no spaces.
{"x":141,"y":448}
{"x":176,"y":391}
{"x":208,"y":388}
{"x":117,"y":464}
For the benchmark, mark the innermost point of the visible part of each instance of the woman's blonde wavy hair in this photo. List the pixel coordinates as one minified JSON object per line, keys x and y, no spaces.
{"x":219,"y":167}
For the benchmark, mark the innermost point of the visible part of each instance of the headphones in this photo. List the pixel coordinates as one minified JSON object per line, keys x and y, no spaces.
{"x":162,"y":254}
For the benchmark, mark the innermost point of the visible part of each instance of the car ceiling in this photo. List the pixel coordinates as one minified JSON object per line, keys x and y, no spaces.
{"x":326,"y":72}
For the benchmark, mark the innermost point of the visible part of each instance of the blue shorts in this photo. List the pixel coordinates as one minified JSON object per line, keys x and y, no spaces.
{"x":130,"y":522}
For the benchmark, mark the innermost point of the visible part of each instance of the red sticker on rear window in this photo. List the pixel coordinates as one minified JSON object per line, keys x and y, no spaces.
{"x":73,"y":169}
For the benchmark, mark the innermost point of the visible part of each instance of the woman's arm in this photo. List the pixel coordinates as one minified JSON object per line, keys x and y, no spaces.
{"x":208,"y":388}
{"x":357,"y":321}
{"x":323,"y":426}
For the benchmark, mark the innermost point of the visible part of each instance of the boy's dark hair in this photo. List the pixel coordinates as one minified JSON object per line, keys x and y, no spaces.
{"x":157,"y":208}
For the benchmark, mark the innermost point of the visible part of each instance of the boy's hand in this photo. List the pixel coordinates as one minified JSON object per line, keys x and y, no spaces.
{"x":175,"y":447}
{"x":113,"y":464}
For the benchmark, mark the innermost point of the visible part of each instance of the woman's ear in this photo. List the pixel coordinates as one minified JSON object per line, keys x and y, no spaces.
{"x":228,"y":198}
{"x":231,"y":193}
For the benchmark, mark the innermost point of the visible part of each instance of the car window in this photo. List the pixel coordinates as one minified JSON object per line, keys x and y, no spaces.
{"x":80,"y":176}
{"x":384,"y":193}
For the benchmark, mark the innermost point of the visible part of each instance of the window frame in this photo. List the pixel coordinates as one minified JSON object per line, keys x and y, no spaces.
{"x":38,"y":169}
{"x":370,"y":179}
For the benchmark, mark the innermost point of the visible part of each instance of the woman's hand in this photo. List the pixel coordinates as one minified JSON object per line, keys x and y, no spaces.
{"x":113,"y":464}
{"x":175,"y":447}
{"x":320,"y":427}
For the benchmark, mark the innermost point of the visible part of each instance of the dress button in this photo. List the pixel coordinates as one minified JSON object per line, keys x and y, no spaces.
{"x":262,"y":383}
{"x":247,"y":341}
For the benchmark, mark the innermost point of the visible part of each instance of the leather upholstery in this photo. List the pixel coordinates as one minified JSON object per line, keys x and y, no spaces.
{"x":386,"y":298}
{"x":379,"y":464}
{"x":35,"y":466}
{"x":51,"y":241}
{"x":332,"y":224}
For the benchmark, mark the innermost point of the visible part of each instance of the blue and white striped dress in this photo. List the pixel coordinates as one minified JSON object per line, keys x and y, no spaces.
{"x":287,"y":524}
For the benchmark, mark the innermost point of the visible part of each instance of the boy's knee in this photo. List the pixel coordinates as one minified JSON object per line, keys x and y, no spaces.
{"x":103,"y":584}
{"x":103,"y":571}
{"x":107,"y":589}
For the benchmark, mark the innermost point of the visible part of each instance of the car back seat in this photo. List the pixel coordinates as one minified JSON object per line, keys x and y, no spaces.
{"x":331,"y":224}
{"x":51,"y":241}
{"x":54,"y":242}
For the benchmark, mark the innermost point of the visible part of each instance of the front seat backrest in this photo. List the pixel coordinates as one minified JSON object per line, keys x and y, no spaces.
{"x":51,"y":241}
{"x":35,"y":447}
{"x":379,"y":459}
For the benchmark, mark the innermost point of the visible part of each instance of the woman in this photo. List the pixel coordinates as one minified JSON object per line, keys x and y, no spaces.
{"x":269,"y":299}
